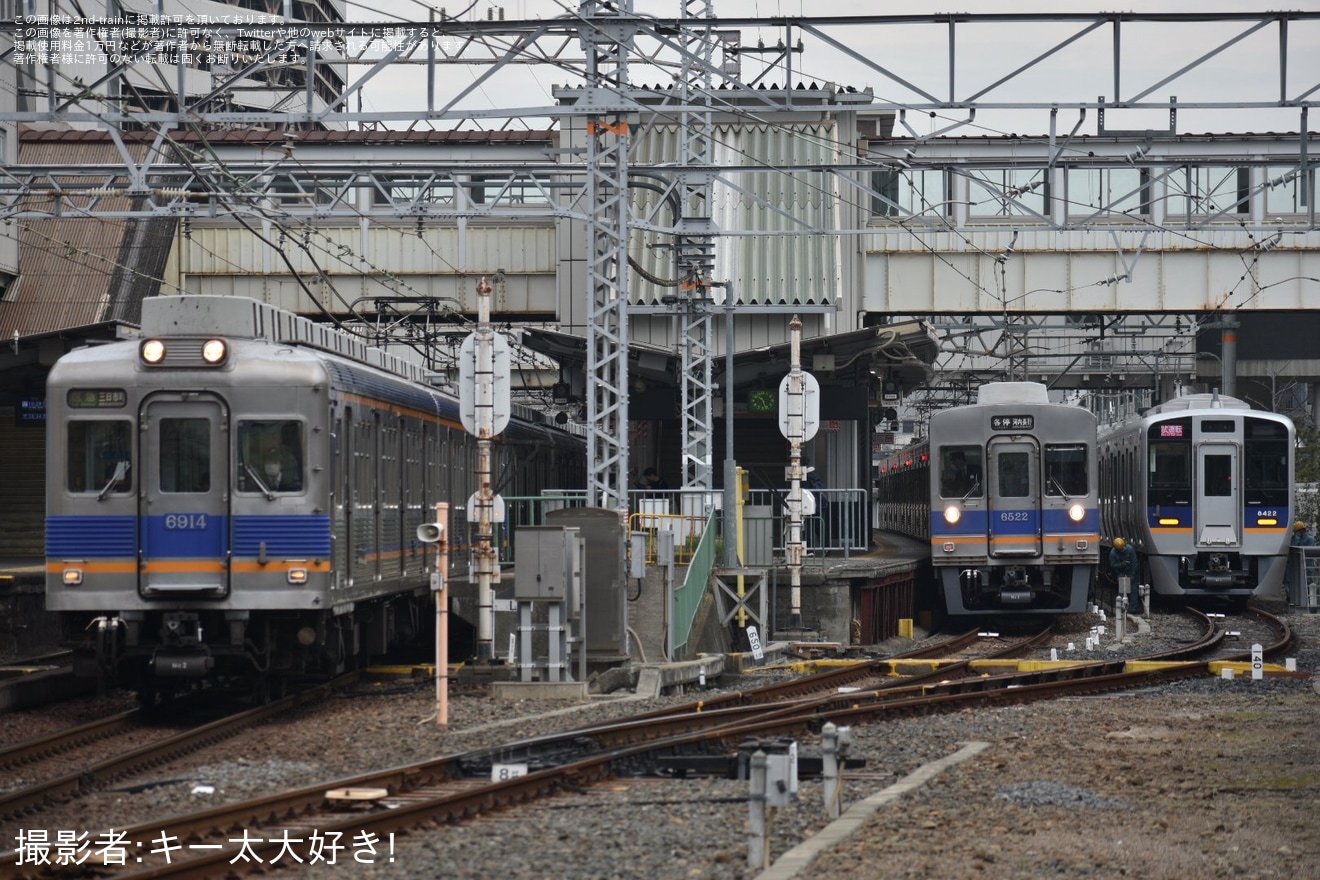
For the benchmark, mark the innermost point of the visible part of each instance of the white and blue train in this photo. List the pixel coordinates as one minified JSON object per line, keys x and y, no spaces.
{"x":1005,"y":491}
{"x":235,"y":495}
{"x":1202,"y":487}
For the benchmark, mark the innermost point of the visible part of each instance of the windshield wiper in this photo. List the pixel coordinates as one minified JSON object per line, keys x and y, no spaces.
{"x":121,"y":471}
{"x":270,"y":496}
{"x":1055,"y":483}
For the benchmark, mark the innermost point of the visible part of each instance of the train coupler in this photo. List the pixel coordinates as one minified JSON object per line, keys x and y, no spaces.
{"x":181,"y":664}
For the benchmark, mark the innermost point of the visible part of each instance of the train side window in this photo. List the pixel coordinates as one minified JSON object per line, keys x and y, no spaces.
{"x":1065,"y":470}
{"x":271,"y":453}
{"x":960,"y":471}
{"x":100,"y":456}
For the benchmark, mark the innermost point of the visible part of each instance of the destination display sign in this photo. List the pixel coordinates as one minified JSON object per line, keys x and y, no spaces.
{"x":97,"y":398}
{"x":1012,"y":423}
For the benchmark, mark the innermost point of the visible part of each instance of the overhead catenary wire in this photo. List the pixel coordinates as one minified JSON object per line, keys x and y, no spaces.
{"x":911,"y":229}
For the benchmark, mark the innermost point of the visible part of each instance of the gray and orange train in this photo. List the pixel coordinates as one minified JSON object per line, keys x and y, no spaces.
{"x":235,"y":495}
{"x":1005,"y":491}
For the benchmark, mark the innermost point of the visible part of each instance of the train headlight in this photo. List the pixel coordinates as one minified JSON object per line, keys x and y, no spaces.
{"x":153,"y":351}
{"x":1076,"y":513}
{"x":952,"y":514}
{"x":1169,"y":521}
{"x":72,"y":577}
{"x":1266,"y":521}
{"x":214,"y":351}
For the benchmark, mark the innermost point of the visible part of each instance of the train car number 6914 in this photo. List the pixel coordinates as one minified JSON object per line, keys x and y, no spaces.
{"x":185,"y":521}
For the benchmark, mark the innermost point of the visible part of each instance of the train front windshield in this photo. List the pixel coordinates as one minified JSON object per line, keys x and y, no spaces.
{"x":960,"y":471}
{"x":271,"y":453}
{"x":100,"y":456}
{"x":1169,"y":466}
{"x":1065,"y":470}
{"x":1267,"y":479}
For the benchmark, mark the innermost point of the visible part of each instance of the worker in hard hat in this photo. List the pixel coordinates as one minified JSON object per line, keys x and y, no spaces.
{"x":1301,"y":537}
{"x":1123,"y":563}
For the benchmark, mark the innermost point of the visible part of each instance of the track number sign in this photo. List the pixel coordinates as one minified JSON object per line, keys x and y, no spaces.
{"x":502,"y":772}
{"x":754,"y":639}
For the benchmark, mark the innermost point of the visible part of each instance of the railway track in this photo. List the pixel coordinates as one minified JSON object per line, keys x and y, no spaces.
{"x":373,"y":806}
{"x":38,"y":681}
{"x":30,"y":799}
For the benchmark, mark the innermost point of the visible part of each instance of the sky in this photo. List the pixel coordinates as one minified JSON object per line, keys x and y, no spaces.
{"x":918,"y":53}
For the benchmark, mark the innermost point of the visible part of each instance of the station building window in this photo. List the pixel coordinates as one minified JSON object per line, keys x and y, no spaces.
{"x":910,"y":192}
{"x":1008,"y":192}
{"x":1124,"y":191}
{"x":1209,"y":191}
{"x":1286,"y":189}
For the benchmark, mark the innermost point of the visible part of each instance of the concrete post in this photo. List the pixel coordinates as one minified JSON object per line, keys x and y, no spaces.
{"x":758,"y":853}
{"x":829,"y":741}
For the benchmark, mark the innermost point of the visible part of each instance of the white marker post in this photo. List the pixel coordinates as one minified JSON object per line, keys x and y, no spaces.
{"x":437,"y":533}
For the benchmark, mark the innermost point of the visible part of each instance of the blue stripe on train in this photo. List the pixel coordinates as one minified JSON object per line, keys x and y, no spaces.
{"x":300,"y":536}
{"x":91,"y":537}
{"x":96,"y":537}
{"x":974,"y":523}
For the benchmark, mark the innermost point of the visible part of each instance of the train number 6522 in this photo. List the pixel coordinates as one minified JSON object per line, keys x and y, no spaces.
{"x":185,"y":521}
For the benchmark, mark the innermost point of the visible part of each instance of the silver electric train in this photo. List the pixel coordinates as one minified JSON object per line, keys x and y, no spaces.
{"x":1005,"y":491}
{"x":1202,"y":487}
{"x":235,"y":495}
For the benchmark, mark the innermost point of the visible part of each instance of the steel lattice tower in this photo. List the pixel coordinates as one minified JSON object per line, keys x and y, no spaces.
{"x":608,"y":42}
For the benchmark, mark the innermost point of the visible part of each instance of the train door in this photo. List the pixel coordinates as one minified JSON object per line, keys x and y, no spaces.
{"x":1014,"y":498}
{"x":1218,"y":504}
{"x":183,"y":510}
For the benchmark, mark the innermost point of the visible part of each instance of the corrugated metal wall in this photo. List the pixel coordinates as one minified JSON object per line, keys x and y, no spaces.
{"x":779,"y":266}
{"x":76,"y":271}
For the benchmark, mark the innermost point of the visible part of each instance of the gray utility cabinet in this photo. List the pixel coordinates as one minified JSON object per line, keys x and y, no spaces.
{"x":603,"y":578}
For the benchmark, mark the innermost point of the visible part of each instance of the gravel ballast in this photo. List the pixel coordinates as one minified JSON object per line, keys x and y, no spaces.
{"x":1200,"y":778}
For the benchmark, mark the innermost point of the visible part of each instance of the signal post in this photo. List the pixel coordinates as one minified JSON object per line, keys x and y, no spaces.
{"x":799,"y":419}
{"x":484,"y":405}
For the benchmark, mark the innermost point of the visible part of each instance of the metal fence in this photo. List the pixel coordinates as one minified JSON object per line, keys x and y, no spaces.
{"x":518,"y":511}
{"x":1303,"y":578}
{"x":839,"y":527}
{"x":688,"y":596}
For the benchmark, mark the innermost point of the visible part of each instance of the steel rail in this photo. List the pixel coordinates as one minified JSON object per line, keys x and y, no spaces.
{"x":31,"y":798}
{"x":406,"y":808}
